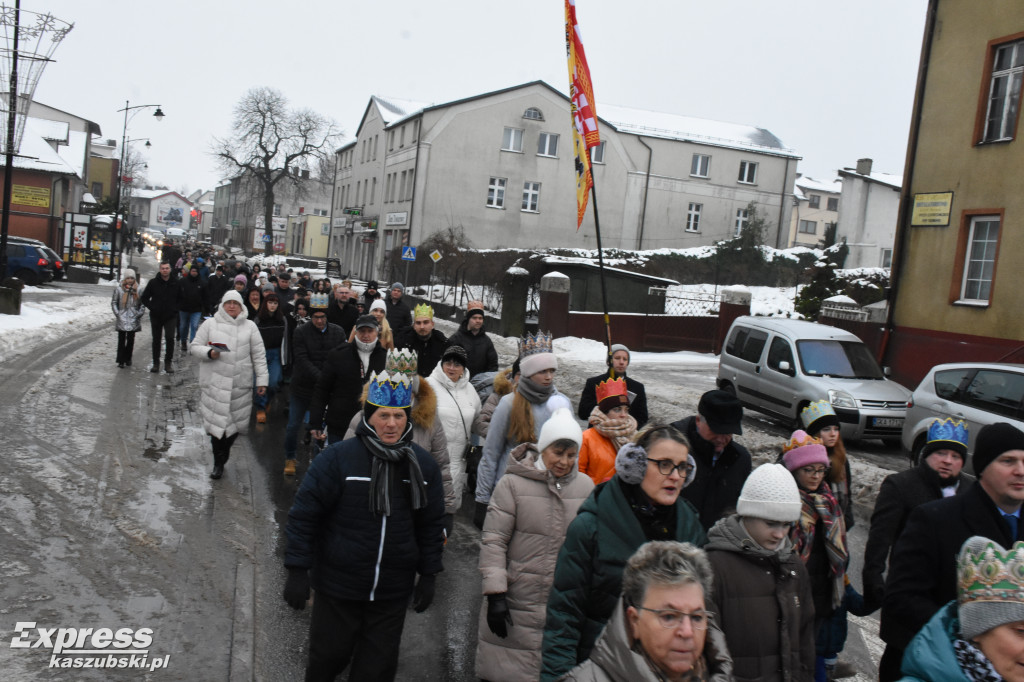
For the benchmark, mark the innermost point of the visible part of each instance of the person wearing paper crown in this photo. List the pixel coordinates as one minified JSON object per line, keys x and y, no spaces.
{"x":367,"y":519}
{"x":520,"y":415}
{"x":428,"y":343}
{"x":937,"y":475}
{"x":921,"y":576}
{"x":427,"y":429}
{"x":820,"y":421}
{"x":611,"y":427}
{"x":980,"y":635}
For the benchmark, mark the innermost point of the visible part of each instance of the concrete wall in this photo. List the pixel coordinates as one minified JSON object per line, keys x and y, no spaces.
{"x":868,"y":220}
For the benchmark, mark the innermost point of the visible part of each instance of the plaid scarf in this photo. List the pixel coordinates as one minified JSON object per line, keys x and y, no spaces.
{"x":822,"y":504}
{"x":618,"y":431}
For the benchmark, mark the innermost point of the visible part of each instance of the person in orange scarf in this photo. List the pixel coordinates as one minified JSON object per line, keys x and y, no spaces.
{"x":611,"y":427}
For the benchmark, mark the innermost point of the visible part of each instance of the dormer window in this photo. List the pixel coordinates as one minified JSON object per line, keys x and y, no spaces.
{"x":533,"y":113}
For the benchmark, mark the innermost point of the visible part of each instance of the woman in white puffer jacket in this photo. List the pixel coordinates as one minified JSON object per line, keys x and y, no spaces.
{"x":458,"y":408}
{"x":231,"y":349}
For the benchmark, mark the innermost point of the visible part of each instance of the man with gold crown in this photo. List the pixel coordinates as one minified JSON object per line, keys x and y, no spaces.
{"x":367,"y":519}
{"x":427,"y":342}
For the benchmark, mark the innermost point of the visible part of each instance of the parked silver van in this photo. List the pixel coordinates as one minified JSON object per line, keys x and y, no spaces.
{"x":779,"y":366}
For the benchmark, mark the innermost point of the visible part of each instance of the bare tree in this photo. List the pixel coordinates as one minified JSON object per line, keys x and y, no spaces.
{"x":269,"y":144}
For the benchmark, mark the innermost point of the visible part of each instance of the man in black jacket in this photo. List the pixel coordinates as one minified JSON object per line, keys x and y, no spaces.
{"x":340,"y":386}
{"x":193,"y":302}
{"x":217,"y":286}
{"x":342,"y":312}
{"x":472,"y":336}
{"x":722,"y":464}
{"x":399,"y":313}
{"x":311,"y":344}
{"x":370,"y":295}
{"x":922,"y":573}
{"x":428,"y":342}
{"x":619,"y":362}
{"x":161,"y":297}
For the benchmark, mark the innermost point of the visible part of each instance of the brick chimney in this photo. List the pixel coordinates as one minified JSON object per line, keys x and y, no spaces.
{"x":864,"y":166}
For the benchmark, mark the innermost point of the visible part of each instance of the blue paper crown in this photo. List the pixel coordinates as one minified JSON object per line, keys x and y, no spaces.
{"x":948,"y":430}
{"x":394,"y":391}
{"x":815,"y":411}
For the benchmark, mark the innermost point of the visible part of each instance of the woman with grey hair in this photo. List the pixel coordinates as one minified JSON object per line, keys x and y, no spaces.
{"x":660,"y":628}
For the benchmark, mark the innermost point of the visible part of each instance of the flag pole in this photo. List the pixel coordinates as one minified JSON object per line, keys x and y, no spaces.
{"x":600,"y":266}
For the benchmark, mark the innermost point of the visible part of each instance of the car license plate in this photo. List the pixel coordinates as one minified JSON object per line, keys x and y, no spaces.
{"x":882,"y":422}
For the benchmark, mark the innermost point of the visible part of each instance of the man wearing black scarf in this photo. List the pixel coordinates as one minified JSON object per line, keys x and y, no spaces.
{"x":367,"y":519}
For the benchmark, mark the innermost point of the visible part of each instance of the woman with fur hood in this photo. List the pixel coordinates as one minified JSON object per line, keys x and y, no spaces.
{"x":427,"y":431}
{"x":531,"y":507}
{"x":231,"y":350}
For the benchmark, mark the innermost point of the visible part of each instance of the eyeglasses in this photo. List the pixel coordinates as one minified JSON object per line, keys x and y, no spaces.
{"x":814,"y":471}
{"x":667,"y":466}
{"x":671,"y":619}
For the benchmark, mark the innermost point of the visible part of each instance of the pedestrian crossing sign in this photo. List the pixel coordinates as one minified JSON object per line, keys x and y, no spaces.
{"x":408,"y":253}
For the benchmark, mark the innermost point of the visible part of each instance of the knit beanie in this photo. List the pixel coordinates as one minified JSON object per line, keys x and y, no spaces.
{"x":399,"y":286}
{"x":231,"y":295}
{"x":561,"y":424}
{"x":128,"y":272}
{"x":378,"y":305}
{"x":990,"y":585}
{"x":617,"y":347}
{"x":243,"y":279}
{"x":994,"y":440}
{"x":456,"y":353}
{"x":803,"y":450}
{"x":770,"y":493}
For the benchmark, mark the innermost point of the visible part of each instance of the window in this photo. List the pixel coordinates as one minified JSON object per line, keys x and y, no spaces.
{"x":415,"y":130}
{"x":996,"y":392}
{"x":401,"y":188}
{"x":597,"y":154}
{"x":533,"y":113}
{"x":1004,"y":92}
{"x":391,"y":140}
{"x":496,"y":193}
{"x":981,"y":260}
{"x":375,"y":141}
{"x":700,"y":165}
{"x":373,"y":191}
{"x":531,"y":196}
{"x":97,"y":190}
{"x":408,"y":187}
{"x":748,"y":172}
{"x":547,"y":144}
{"x":886,"y":258}
{"x":780,"y":351}
{"x":833,"y":203}
{"x":742,"y":216}
{"x":388,"y":195}
{"x":808,"y":227}
{"x":512,"y":140}
{"x":813,"y":200}
{"x":401,"y":137}
{"x":277,"y":210}
{"x":320,"y":211}
{"x":693,"y":217}
{"x":746,"y":343}
{"x":948,"y":383}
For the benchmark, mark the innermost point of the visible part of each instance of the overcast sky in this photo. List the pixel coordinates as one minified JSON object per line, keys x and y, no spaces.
{"x":834,"y":80}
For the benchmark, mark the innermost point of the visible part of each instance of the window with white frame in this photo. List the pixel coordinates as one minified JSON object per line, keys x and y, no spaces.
{"x":1004,"y":92}
{"x":534,"y":114}
{"x":814,"y":201}
{"x":808,"y":227}
{"x":833,"y":203}
{"x":376,"y":139}
{"x":981,"y":260}
{"x":373,"y":191}
{"x":415,"y":130}
{"x":693,"y":217}
{"x":496,"y":192}
{"x":277,"y":210}
{"x":742,"y":217}
{"x":700,"y":166}
{"x":531,"y":196}
{"x":512,"y":140}
{"x":547,"y":144}
{"x":401,"y":137}
{"x":886,"y":261}
{"x":401,"y":187}
{"x":391,"y":140}
{"x":597,"y":153}
{"x":388,"y":196}
{"x":748,"y":172}
{"x":408,"y":187}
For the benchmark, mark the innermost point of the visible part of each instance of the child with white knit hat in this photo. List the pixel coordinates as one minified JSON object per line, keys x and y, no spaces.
{"x":762,"y":594}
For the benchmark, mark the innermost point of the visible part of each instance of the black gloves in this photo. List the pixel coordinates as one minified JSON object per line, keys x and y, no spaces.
{"x":423,"y":594}
{"x":449,"y":526}
{"x":479,"y":514}
{"x":296,"y":588}
{"x":499,"y":620}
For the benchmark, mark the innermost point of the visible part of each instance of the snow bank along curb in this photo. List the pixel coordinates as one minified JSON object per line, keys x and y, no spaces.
{"x":43,"y":321}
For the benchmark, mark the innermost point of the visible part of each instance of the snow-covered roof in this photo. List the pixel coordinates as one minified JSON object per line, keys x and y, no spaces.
{"x":54,"y":131}
{"x":688,"y":128}
{"x":149,"y":194}
{"x":807,"y":183}
{"x":36,"y":153}
{"x":394,"y":109}
{"x":894,"y":181}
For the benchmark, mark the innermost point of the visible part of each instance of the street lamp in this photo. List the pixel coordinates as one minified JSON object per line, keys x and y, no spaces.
{"x":159,"y":116}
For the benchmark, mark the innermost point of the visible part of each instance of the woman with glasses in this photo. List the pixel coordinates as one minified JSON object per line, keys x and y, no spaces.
{"x":639,"y":503}
{"x":762,"y":593}
{"x":819,"y":538}
{"x":662,"y":628}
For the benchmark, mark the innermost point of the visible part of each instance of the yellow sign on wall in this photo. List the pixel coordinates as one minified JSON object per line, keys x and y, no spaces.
{"x":931,"y":209}
{"x":30,"y":196}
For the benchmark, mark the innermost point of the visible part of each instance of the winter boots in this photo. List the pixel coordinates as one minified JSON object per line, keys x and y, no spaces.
{"x":261,"y":416}
{"x":289,"y":467}
{"x":155,"y":369}
{"x":221,"y":453}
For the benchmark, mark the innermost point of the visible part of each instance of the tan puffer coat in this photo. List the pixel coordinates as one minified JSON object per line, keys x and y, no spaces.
{"x":528,"y":515}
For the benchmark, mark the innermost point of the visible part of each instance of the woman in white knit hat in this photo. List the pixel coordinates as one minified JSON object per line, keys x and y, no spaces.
{"x":762,"y":593}
{"x":529,"y":512}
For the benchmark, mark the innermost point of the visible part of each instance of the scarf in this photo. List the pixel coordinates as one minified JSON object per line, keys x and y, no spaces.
{"x":386,"y":459}
{"x":534,"y":393}
{"x":657,"y":521}
{"x":973,"y":663}
{"x":618,"y":431}
{"x":822,"y":504}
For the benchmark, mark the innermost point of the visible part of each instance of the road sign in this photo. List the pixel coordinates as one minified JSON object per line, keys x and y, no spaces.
{"x":408,"y":253}
{"x":435,"y":255}
{"x":235,"y":223}
{"x":352,"y":211}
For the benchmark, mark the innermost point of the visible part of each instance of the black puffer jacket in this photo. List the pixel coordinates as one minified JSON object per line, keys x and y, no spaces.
{"x":399,"y":315}
{"x":355,"y":553}
{"x":340,"y":386}
{"x":192,"y":297}
{"x":309,"y":353}
{"x":717,"y":487}
{"x":428,"y":352}
{"x":479,"y":348}
{"x":343,"y":316}
{"x":161,"y":297}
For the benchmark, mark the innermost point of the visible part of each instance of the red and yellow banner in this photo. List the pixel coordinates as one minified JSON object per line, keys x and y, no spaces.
{"x":584,"y":112}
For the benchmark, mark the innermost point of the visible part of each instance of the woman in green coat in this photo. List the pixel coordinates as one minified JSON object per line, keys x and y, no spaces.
{"x":639,"y":503}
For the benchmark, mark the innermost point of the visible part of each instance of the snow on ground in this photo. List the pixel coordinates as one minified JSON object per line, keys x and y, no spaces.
{"x":769,"y":301}
{"x":44,"y":320}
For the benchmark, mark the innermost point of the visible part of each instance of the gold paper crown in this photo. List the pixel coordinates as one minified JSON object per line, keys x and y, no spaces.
{"x":423,"y":310}
{"x":401,"y":362}
{"x":611,"y":388}
{"x":988,"y":573}
{"x":533,"y":344}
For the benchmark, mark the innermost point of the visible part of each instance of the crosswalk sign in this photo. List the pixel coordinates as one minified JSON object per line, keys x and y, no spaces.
{"x":408,"y":253}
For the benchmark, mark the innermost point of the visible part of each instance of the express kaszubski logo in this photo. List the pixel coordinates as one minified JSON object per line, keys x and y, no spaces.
{"x":91,"y":647}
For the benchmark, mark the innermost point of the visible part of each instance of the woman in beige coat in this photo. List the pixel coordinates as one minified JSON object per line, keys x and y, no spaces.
{"x":529,"y":511}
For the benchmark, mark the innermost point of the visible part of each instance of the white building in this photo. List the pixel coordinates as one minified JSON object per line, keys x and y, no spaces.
{"x":815,"y":207}
{"x":160,"y":209}
{"x":500,"y":165}
{"x":870,"y":208}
